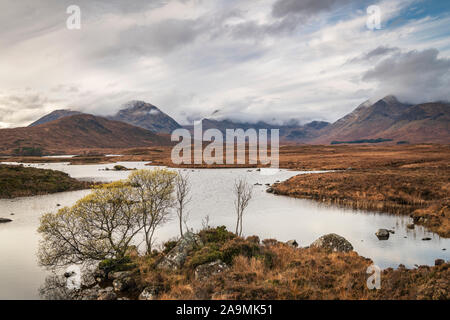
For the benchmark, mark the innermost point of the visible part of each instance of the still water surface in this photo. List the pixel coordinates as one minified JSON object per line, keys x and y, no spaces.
{"x":268,"y":216}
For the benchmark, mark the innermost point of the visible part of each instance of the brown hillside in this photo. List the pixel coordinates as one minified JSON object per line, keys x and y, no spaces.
{"x":78,"y":132}
{"x":390,"y":119}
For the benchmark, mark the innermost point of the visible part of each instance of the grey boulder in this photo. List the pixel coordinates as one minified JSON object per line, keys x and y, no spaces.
{"x":149,"y":293}
{"x":333,"y":242}
{"x":207,"y":270}
{"x":175,"y":259}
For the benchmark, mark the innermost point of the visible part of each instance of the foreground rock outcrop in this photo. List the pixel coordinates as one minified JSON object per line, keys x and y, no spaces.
{"x":177,"y":256}
{"x":216,"y":264}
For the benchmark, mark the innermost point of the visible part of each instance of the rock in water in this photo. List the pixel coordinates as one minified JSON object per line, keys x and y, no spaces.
{"x":333,"y":242}
{"x":4,"y":220}
{"x":207,"y":270}
{"x":382,"y":234}
{"x":177,"y":256}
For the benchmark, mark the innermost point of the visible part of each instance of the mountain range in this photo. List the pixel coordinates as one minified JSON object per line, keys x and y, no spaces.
{"x":143,"y":124}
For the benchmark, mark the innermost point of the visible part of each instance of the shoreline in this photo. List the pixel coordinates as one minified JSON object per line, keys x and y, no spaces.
{"x":386,"y":165}
{"x":216,"y":264}
{"x":18,"y":181}
{"x":387,"y":191}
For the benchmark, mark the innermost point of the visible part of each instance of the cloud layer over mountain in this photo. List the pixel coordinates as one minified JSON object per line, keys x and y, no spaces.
{"x":271,"y":60}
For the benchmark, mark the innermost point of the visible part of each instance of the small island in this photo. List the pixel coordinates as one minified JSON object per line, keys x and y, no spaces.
{"x":20,"y":181}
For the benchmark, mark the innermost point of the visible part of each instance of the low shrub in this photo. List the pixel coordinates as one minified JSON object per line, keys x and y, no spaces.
{"x":115,"y":265}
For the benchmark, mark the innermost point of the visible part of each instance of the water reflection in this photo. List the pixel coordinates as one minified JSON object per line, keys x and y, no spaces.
{"x":268,"y":216}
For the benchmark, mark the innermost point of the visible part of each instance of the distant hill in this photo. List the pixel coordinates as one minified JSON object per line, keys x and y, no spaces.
{"x":288,"y":133}
{"x":55,"y":115}
{"x":147,"y":116}
{"x":428,"y":122}
{"x":390,"y":120}
{"x":80,"y":131}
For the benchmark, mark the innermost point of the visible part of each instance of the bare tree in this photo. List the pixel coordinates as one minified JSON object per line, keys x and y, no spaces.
{"x":183,"y":197}
{"x":243,"y":194}
{"x":154,"y":199}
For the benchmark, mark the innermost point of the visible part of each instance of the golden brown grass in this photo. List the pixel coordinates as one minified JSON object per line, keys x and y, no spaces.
{"x":304,"y":273}
{"x":420,"y":192}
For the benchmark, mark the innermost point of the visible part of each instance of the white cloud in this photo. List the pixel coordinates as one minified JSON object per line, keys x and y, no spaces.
{"x":190,"y":58}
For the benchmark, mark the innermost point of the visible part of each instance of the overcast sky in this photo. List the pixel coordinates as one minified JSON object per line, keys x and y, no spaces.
{"x":273,"y":60}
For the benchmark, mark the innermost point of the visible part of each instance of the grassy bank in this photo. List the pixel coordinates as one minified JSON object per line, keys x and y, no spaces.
{"x":270,"y":269}
{"x":423,"y":192}
{"x":19,"y":181}
{"x":296,"y":157}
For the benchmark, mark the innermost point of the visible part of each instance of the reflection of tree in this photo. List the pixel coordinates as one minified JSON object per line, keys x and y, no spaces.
{"x":55,"y":288}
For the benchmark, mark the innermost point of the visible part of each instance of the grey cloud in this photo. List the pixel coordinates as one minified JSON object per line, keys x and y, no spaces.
{"x":20,"y":109}
{"x":380,"y":51}
{"x":375,"y":54}
{"x":255,"y":30}
{"x":283,"y":8}
{"x":414,"y":76}
{"x":287,"y":16}
{"x":29,"y":101}
{"x":26,"y":19}
{"x":162,"y":37}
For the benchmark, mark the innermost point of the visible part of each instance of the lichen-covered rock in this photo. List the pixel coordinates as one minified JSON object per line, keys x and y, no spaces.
{"x":100,"y":275}
{"x":207,"y":270}
{"x":175,"y":259}
{"x":122,"y":281}
{"x":119,"y":275}
{"x":333,"y":242}
{"x":107,"y":294}
{"x":149,"y":293}
{"x":88,"y":294}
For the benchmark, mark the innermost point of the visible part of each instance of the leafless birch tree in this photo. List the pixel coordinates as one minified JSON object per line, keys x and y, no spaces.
{"x":183,"y":197}
{"x":243,"y":194}
{"x":154,"y":199}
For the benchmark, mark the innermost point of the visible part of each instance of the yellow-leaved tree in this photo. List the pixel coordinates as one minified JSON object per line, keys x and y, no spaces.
{"x":103,"y":224}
